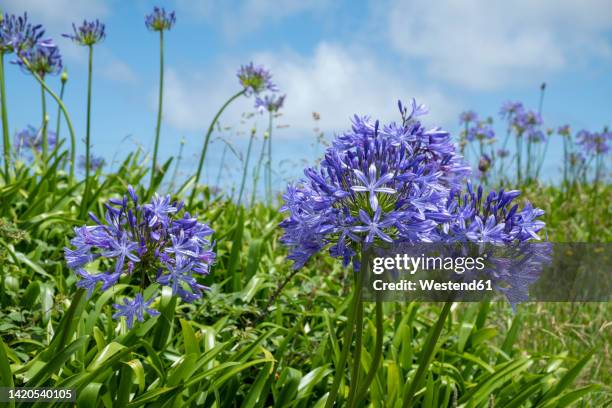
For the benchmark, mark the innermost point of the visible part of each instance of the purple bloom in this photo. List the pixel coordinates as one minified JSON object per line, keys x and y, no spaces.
{"x":482,"y":130}
{"x":372,"y":184}
{"x":270,"y":103}
{"x":134,"y":309}
{"x":468,"y":117}
{"x":159,"y":20}
{"x":30,"y":140}
{"x":17,"y":35}
{"x":374,"y":226}
{"x":255,"y":79}
{"x":88,"y":33}
{"x":594,"y":143}
{"x":564,"y":130}
{"x":95,"y":163}
{"x":145,"y":244}
{"x":43,"y":58}
{"x":510,"y":108}
{"x":484,"y":163}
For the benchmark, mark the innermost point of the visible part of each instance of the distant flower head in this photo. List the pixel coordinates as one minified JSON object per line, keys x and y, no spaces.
{"x":255,"y":79}
{"x":468,"y":117}
{"x":595,"y":143}
{"x":510,"y":108}
{"x":44,"y":58}
{"x":482,"y":130}
{"x":564,"y":130}
{"x":17,"y":34}
{"x":376,"y":183}
{"x":95,"y":162}
{"x":159,"y":20}
{"x":484,"y":163}
{"x":270,"y":103}
{"x":526,"y":121}
{"x":151,"y":243}
{"x":88,"y":33}
{"x":29,"y":140}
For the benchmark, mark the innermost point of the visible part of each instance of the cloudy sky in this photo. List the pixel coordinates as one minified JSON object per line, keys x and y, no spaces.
{"x":333,"y":57}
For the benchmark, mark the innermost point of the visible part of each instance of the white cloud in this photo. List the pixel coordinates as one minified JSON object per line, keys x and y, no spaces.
{"x":117,"y":70}
{"x":335,"y":81}
{"x":486,"y":44}
{"x":239,"y":17}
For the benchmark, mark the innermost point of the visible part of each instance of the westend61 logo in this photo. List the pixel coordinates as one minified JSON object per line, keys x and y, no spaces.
{"x":413,"y":264}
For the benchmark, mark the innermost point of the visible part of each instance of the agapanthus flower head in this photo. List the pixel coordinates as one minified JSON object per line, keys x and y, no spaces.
{"x":564,"y":130}
{"x":526,"y":121}
{"x":468,"y":117}
{"x":594,"y":143}
{"x":484,"y":163}
{"x":255,"y":79}
{"x":160,"y":20}
{"x":88,"y":33}
{"x":17,"y":34}
{"x":269,"y":103}
{"x":154,"y":243}
{"x":482,"y":130}
{"x":30,"y":139}
{"x":95,"y":162}
{"x":376,"y":183}
{"x":510,"y":108}
{"x":44,"y":58}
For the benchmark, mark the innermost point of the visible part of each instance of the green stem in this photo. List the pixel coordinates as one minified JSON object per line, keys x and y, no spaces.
{"x":426,"y":356}
{"x":258,"y":170}
{"x":348,"y":335}
{"x":269,"y":163}
{"x":159,"y":107}
{"x":64,"y":111}
{"x":356,"y":370}
{"x":5,"y":124}
{"x":43,"y":127}
{"x":376,"y":359}
{"x":246,"y":166}
{"x":206,"y":140}
{"x":85,"y":203}
{"x":59,"y":112}
{"x":176,"y":167}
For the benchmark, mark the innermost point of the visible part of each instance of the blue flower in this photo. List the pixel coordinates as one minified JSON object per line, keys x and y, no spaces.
{"x":143,"y":244}
{"x":30,"y":140}
{"x":95,"y":163}
{"x":17,"y":34}
{"x":255,"y":79}
{"x":43,"y":58}
{"x":269,"y":103}
{"x":374,"y":226}
{"x":468,"y":117}
{"x":159,"y":20}
{"x":88,"y":33}
{"x":134,"y":309}
{"x":373,"y":184}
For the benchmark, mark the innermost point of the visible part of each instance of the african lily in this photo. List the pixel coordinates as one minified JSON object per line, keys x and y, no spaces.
{"x":143,"y":244}
{"x":270,"y":104}
{"x":87,"y":34}
{"x":395,"y":183}
{"x":253,"y":80}
{"x":159,"y":21}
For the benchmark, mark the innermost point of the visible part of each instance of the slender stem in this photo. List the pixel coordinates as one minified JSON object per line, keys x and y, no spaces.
{"x":85,"y":203}
{"x":426,"y":356}
{"x":376,"y":359}
{"x":269,"y":162}
{"x":43,"y":127}
{"x":356,"y":370}
{"x":206,"y":140}
{"x":246,"y":166}
{"x":176,"y":166}
{"x":59,"y":112}
{"x":159,"y":107}
{"x":258,"y":170}
{"x":348,"y":335}
{"x":64,"y":111}
{"x":5,"y":125}
{"x":218,"y":179}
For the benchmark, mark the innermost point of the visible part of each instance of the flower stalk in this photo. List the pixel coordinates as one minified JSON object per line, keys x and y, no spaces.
{"x":159,"y":108}
{"x":5,"y":125}
{"x":85,"y":202}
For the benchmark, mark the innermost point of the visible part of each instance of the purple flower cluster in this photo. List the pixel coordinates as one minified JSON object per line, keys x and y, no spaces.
{"x":30,"y":139}
{"x":88,"y":33}
{"x":159,"y":20}
{"x":269,"y":103}
{"x":388,"y":183}
{"x":595,"y":143}
{"x":482,"y":130}
{"x":491,"y":219}
{"x":525,"y":121}
{"x":43,"y":58}
{"x":396,"y":183}
{"x":17,"y":34}
{"x":468,"y":117}
{"x":255,"y":79}
{"x":146,"y":243}
{"x":95,"y":162}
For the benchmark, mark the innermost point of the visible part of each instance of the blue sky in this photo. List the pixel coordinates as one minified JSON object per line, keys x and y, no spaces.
{"x":333,"y":57}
